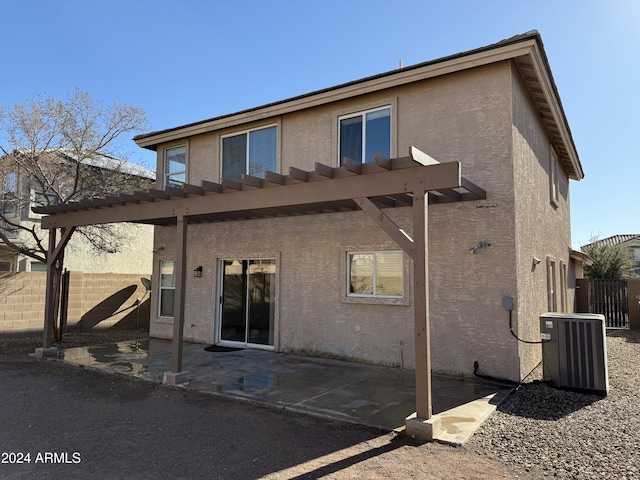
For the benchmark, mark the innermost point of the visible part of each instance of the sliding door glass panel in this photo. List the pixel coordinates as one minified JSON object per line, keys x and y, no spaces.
{"x":234,"y":288}
{"x":261,"y":301}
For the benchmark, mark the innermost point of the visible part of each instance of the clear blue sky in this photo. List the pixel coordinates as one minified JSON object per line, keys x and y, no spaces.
{"x":184,"y":61}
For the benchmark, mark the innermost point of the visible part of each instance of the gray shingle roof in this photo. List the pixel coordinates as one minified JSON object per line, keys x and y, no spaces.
{"x":615,"y":240}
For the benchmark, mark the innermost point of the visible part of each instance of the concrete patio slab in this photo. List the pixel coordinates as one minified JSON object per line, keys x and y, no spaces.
{"x":372,"y":395}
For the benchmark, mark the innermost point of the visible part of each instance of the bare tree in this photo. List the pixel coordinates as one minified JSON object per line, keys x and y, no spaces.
{"x":61,"y":151}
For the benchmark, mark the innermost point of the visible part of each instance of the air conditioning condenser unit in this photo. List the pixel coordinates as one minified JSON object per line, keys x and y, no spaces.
{"x":574,"y":351}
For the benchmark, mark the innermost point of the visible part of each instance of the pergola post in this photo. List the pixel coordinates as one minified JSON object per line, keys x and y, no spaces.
{"x":421,"y":307}
{"x":421,"y":424}
{"x":176,"y":375}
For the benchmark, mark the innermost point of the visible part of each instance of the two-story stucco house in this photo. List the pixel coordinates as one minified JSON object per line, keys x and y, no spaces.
{"x":417,"y":218}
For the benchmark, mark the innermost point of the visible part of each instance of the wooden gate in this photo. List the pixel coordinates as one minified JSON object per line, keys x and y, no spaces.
{"x":610,"y":298}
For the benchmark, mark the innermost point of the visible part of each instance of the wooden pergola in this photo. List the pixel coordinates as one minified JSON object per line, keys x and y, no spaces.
{"x":415,"y":180}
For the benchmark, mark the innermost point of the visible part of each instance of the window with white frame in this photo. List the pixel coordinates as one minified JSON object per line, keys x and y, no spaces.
{"x":167,"y":288}
{"x":375,"y":274}
{"x":250,"y":152}
{"x":363,"y":134}
{"x":5,"y":266}
{"x":175,"y":166}
{"x":554,"y":185}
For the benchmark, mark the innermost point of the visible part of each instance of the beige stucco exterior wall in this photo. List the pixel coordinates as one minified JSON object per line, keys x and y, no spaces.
{"x":542,"y":229}
{"x":467,"y":117}
{"x":135,"y":255}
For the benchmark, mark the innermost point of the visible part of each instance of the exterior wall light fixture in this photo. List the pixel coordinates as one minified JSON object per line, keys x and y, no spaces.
{"x":197,"y":272}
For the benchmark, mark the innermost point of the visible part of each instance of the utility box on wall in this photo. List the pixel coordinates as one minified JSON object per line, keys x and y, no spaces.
{"x":574,"y":351}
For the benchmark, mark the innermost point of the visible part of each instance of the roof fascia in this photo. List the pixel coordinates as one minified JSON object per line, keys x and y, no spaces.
{"x":393,"y":79}
{"x":542,"y":70}
{"x":580,"y":257}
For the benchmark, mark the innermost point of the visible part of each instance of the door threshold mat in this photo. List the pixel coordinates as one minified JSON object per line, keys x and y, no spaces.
{"x":220,"y":348}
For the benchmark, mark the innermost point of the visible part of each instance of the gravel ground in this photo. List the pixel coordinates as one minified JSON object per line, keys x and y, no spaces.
{"x":537,"y":432}
{"x":552,"y":432}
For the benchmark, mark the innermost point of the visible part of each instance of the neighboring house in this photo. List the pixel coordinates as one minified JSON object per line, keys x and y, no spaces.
{"x":631,"y":242}
{"x":334,"y":252}
{"x":22,"y":189}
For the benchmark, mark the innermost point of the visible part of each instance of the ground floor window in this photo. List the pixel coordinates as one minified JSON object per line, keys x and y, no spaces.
{"x":551,"y":285}
{"x":375,"y":274}
{"x":564,"y":307}
{"x":38,"y":267}
{"x":167,"y":287}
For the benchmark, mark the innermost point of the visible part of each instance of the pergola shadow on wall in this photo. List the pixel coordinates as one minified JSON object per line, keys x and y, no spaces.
{"x":415,"y":180}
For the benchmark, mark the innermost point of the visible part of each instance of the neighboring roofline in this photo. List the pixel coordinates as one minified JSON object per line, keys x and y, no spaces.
{"x":581,"y":257}
{"x":520,"y":46}
{"x":613,"y":240}
{"x":100,"y":160}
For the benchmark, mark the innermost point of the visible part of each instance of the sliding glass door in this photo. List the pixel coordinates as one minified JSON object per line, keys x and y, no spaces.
{"x":247,"y":301}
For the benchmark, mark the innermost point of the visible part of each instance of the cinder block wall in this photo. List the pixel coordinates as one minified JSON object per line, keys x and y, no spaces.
{"x":93,"y":298}
{"x":21,"y":302}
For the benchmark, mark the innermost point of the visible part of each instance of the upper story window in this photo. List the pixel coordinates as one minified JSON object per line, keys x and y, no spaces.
{"x":175,"y":166}
{"x":251,"y":152}
{"x":41,"y":196}
{"x":9,"y":191}
{"x":363,"y":134}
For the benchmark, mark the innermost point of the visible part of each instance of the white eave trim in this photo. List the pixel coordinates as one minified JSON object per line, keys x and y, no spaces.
{"x":557,"y":113}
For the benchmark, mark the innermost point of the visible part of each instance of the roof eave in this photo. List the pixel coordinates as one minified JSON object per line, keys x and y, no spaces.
{"x":527,"y":46}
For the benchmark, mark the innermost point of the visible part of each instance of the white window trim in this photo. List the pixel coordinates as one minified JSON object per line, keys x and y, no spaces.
{"x":166,"y":175}
{"x":247,"y":132}
{"x":362,"y":113}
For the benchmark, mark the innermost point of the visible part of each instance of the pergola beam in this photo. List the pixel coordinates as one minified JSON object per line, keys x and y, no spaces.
{"x":389,"y":226}
{"x":234,"y":199}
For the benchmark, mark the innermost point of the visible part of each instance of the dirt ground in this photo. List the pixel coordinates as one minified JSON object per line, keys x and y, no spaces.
{"x":98,"y":425}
